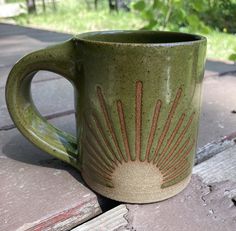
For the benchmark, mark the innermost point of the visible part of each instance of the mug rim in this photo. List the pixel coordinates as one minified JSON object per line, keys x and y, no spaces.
{"x":88,"y":37}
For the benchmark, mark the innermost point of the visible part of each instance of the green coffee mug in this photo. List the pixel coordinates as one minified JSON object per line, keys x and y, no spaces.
{"x":137,"y":100}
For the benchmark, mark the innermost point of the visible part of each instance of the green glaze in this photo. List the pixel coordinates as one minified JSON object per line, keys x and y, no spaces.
{"x":137,"y":99}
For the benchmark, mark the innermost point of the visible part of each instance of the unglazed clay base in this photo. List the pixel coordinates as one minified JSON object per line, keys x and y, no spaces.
{"x":136,"y":182}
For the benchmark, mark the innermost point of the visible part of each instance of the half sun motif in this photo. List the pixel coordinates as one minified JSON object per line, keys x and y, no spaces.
{"x":172,"y":149}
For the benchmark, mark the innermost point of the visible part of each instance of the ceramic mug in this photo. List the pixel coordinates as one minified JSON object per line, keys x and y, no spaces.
{"x":137,"y":100}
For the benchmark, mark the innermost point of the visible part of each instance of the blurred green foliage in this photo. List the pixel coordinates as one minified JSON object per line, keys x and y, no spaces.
{"x":172,"y":14}
{"x":76,"y":16}
{"x":232,"y":57}
{"x":220,"y":15}
{"x":191,"y":15}
{"x":198,"y":16}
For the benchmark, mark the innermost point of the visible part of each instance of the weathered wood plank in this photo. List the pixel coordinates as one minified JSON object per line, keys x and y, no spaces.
{"x":111,"y":220}
{"x":38,"y":192}
{"x":199,"y":207}
{"x":221,"y":167}
{"x":211,"y":149}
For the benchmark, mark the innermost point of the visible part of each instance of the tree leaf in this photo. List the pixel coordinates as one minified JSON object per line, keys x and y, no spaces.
{"x":140,"y":5}
{"x":232,"y":57}
{"x":148,"y":14}
{"x":193,"y":20}
{"x":150,"y":25}
{"x":156,"y":4}
{"x":205,"y":29}
{"x":198,"y":5}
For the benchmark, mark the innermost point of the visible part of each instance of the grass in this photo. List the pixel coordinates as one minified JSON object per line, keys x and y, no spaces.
{"x":73,"y":17}
{"x":220,"y":45}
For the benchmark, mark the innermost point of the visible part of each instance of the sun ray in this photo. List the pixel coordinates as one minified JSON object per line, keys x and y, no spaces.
{"x":173,"y":155}
{"x":109,"y":122}
{"x":123,"y":128}
{"x":138,"y":118}
{"x":106,"y":141}
{"x":103,"y":180}
{"x":168,"y":123}
{"x":172,"y":136}
{"x":96,"y":155}
{"x":175,"y":169}
{"x":176,"y":174}
{"x":93,"y":155}
{"x":155,"y":118}
{"x":99,"y":143}
{"x":97,"y":165}
{"x":177,"y":179}
{"x":97,"y":149}
{"x":180,"y":138}
{"x":173,"y":163}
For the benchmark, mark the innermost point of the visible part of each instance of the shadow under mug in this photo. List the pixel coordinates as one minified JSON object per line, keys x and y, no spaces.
{"x":137,"y":101}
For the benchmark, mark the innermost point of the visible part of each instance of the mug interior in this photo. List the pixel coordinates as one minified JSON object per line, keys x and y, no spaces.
{"x":139,"y":37}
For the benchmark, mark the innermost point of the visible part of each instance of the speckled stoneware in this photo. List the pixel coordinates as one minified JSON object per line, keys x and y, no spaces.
{"x":137,"y":98}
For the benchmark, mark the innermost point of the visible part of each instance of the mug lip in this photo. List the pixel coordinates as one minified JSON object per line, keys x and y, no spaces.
{"x":84,"y":37}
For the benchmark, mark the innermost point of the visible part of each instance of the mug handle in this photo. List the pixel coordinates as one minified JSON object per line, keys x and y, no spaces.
{"x":61,"y":60}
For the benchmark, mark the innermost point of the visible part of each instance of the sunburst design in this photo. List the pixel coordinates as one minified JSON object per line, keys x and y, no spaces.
{"x":171,"y":150}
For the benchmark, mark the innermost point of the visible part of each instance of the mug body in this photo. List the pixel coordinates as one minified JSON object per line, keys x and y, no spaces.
{"x":137,"y":111}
